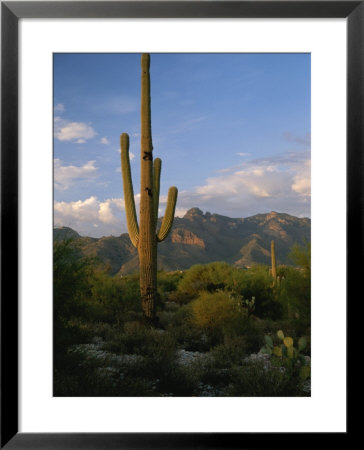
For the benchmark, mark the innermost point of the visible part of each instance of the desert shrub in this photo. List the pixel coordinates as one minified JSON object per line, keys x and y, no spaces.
{"x":209,"y":277}
{"x":71,"y":289}
{"x":183,"y":381}
{"x":301,"y":256}
{"x":101,"y":374}
{"x":138,"y":339}
{"x":165,"y":318}
{"x":67,"y":376}
{"x":154,"y":352}
{"x":113,"y":299}
{"x":257,"y":282}
{"x":167,"y":283}
{"x":103,"y":330}
{"x":106,"y":298}
{"x":192,"y":338}
{"x":215,"y":376}
{"x":185,"y":332}
{"x":295,"y":297}
{"x":70,"y":279}
{"x":171,"y":307}
{"x":254,"y":379}
{"x":158,"y":349}
{"x":129,"y":286}
{"x":231,"y":352}
{"x":235,"y":282}
{"x":182,"y":315}
{"x":215,"y":312}
{"x":251,"y":329}
{"x":180,"y":297}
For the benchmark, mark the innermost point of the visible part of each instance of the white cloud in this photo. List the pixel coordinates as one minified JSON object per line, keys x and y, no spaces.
{"x":281,"y":183}
{"x":66,"y":176}
{"x":78,"y":132}
{"x":104,"y":140}
{"x":180,"y":212}
{"x":106,"y":214}
{"x":59,"y":108}
{"x":302,"y":181}
{"x":79,"y":210}
{"x":91,"y":216}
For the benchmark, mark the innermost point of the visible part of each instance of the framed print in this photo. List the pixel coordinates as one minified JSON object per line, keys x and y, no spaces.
{"x":62,"y":114}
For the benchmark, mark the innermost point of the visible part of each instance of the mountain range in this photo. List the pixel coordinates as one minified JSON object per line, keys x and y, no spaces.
{"x":199,"y":238}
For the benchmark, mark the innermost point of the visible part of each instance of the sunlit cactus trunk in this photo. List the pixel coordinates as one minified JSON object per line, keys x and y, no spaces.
{"x":145,"y":238}
{"x":273,"y":260}
{"x":147,"y":248}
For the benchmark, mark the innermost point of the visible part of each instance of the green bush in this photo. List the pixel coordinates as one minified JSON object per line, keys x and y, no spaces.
{"x":129,"y":286}
{"x":71,"y":289}
{"x":295,"y":297}
{"x":138,"y":339}
{"x":112,"y":298}
{"x":251,"y":328}
{"x":301,"y":256}
{"x":216,"y":312}
{"x":254,"y":379}
{"x":208,"y":308}
{"x":180,"y":297}
{"x":185,"y":332}
{"x":209,"y":277}
{"x":257,"y":282}
{"x":71,"y":273}
{"x":231,"y":352}
{"x":168,"y":283}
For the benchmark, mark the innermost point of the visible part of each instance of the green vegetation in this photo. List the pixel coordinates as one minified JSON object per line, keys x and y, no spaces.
{"x":220,"y":330}
{"x":273,"y":259}
{"x":145,"y":239}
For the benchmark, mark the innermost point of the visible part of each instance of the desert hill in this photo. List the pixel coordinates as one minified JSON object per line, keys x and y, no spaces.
{"x":200,"y":238}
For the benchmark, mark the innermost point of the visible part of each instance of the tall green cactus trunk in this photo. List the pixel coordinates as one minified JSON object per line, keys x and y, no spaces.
{"x":147,"y":248}
{"x":273,"y":259}
{"x":145,"y":238}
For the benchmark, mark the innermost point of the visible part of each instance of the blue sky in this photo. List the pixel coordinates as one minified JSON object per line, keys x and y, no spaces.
{"x":232,"y":130}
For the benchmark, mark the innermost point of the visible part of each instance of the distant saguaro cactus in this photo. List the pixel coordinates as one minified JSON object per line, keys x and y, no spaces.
{"x":273,"y":258}
{"x":145,"y":237}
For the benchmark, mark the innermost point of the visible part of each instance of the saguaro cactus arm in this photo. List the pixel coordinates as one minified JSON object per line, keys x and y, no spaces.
{"x":168,"y":215}
{"x":156,"y":187}
{"x":131,"y":217}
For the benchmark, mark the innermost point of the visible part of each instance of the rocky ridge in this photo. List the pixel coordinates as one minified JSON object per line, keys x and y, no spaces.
{"x":199,"y":238}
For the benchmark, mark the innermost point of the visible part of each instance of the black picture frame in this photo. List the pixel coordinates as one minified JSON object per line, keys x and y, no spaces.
{"x":11,"y":12}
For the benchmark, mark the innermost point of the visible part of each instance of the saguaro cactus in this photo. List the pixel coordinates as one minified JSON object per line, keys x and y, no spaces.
{"x":273,"y":259}
{"x":145,"y":236}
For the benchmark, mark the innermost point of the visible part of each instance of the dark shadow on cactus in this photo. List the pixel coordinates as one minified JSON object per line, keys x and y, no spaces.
{"x":145,"y":236}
